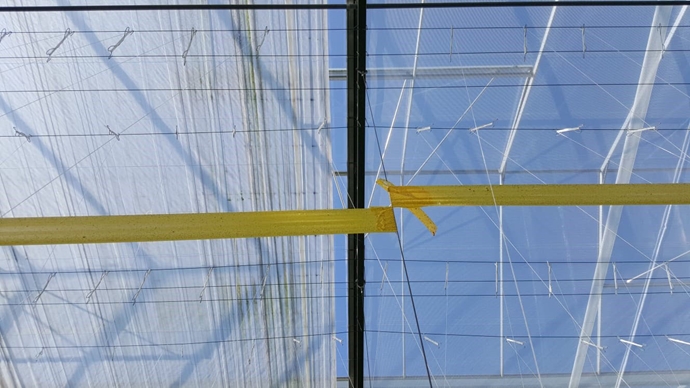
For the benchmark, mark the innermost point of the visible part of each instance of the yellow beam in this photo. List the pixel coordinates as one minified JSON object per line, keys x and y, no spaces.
{"x":168,"y":227}
{"x":538,"y":195}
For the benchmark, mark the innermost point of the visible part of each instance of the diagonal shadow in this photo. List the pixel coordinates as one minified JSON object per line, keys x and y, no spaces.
{"x":203,"y":176}
{"x":73,"y":182}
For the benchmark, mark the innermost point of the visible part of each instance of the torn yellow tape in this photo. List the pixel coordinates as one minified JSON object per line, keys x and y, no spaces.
{"x":169,"y":227}
{"x":416,"y":211}
{"x":539,"y":195}
{"x":424,"y":218}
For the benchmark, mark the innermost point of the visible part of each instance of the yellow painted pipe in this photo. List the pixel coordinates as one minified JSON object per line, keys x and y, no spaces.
{"x":538,"y":195}
{"x":168,"y":227}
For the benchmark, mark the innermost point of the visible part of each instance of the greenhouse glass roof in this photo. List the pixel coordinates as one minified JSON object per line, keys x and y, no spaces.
{"x":217,"y":107}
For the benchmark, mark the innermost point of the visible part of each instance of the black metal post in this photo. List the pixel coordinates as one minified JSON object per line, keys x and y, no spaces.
{"x":356,"y":116}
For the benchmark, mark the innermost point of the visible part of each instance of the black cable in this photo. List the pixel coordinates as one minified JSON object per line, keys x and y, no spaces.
{"x":330,"y":55}
{"x":329,"y":29}
{"x":205,"y":268}
{"x":336,"y":283}
{"x":521,"y":262}
{"x":551,"y":129}
{"x":520,"y":86}
{"x":376,"y":131}
{"x":307,"y":6}
{"x":226,"y":132}
{"x":195,"y":133}
{"x":140,"y":300}
{"x":331,"y":88}
{"x":218,"y":267}
{"x":402,"y":255}
{"x":414,"y":307}
{"x":534,"y":336}
{"x":145,"y":345}
{"x":171,"y":7}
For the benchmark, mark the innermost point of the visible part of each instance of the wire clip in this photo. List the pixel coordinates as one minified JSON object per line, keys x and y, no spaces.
{"x":615,"y":278}
{"x":90,"y":294}
{"x":111,"y":132}
{"x":208,"y":276}
{"x":427,"y":339}
{"x":524,"y":49}
{"x":487,"y":125}
{"x":668,"y":276}
{"x":513,"y":341}
{"x":4,"y":33}
{"x":450,"y":56}
{"x":189,"y":45}
{"x":263,"y":38}
{"x":661,"y":38}
{"x":570,"y":129}
{"x":128,"y":32}
{"x":39,"y":354}
{"x":323,"y":124}
{"x":592,"y":344}
{"x":584,"y":44}
{"x":383,"y":277}
{"x":22,"y":134}
{"x":550,"y":289}
{"x":134,"y":298}
{"x":50,"y":277}
{"x":50,"y":52}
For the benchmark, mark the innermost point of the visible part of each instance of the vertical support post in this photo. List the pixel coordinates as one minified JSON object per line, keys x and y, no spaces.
{"x":356,"y":116}
{"x":634,"y":120}
{"x":600,"y":237}
{"x":500,"y":280}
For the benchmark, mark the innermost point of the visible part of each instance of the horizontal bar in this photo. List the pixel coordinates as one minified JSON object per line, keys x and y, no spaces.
{"x":523,"y":4}
{"x":169,"y":227}
{"x":537,"y":172}
{"x":656,"y":378}
{"x":169,"y":7}
{"x":311,"y":6}
{"x":540,"y":195}
{"x":519,"y":71}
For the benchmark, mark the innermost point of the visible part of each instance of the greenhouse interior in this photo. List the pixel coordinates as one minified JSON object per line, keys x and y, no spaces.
{"x":344,"y":193}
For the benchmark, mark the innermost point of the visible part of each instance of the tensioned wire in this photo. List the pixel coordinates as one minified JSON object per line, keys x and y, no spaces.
{"x":372,"y":28}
